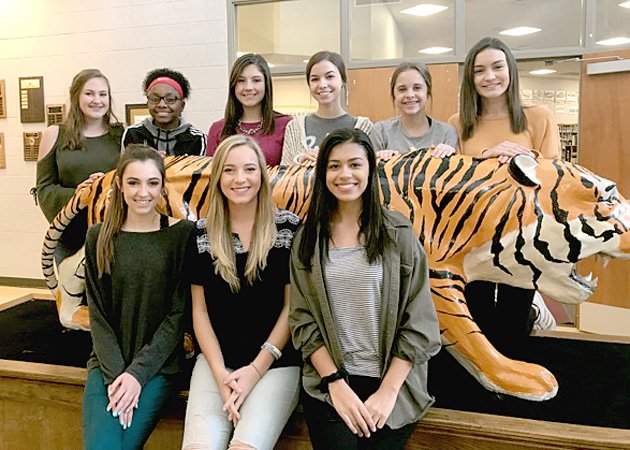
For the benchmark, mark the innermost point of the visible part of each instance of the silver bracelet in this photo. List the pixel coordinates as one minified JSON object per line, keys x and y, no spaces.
{"x":272,"y":349}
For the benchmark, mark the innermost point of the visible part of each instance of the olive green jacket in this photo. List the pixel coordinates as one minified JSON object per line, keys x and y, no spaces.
{"x":409,"y":326}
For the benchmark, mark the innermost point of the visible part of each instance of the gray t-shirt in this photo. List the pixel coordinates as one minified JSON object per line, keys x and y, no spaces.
{"x":389,"y":135}
{"x":317,"y":128}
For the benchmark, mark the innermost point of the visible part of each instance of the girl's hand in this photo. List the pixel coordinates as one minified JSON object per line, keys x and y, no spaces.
{"x":309,"y":158}
{"x":229,"y":393}
{"x":123,"y":394}
{"x":505,"y":151}
{"x":442,"y":151}
{"x":125,"y":419}
{"x":380,"y":405}
{"x":386,"y":154}
{"x":245,"y":378}
{"x":89,"y":180}
{"x":351,"y":409}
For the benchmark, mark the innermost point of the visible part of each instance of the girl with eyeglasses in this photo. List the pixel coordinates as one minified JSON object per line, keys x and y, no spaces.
{"x":166,"y":130}
{"x":249,"y":109}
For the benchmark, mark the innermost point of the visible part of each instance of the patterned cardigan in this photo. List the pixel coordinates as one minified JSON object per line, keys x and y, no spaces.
{"x":295,"y":137}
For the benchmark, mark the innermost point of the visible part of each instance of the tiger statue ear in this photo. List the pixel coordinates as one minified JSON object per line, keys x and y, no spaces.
{"x":523,"y":170}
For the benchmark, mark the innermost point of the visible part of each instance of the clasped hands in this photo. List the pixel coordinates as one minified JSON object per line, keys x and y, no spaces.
{"x":235,"y":387}
{"x":362,"y":418}
{"x":123,"y":394}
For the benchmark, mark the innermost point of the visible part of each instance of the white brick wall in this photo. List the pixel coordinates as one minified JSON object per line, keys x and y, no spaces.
{"x":124,"y":39}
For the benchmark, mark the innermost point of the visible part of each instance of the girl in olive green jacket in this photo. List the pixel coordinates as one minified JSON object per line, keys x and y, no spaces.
{"x":361,"y":310}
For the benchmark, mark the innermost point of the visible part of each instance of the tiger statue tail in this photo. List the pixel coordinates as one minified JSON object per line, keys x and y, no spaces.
{"x":69,"y":295}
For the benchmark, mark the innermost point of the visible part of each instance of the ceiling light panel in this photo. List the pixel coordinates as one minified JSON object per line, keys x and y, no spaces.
{"x":520,"y":31}
{"x":542,"y":72}
{"x":614,"y":41}
{"x":435,"y":50}
{"x":424,"y":9}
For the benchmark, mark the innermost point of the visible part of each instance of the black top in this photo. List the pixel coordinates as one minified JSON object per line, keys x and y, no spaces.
{"x":242,"y":321}
{"x":137,"y":312}
{"x":183,"y":140}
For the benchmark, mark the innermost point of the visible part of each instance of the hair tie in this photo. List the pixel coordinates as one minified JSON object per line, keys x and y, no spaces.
{"x":167,"y":80}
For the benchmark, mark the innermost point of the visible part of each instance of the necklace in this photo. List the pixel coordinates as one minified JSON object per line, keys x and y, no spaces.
{"x":249,"y":131}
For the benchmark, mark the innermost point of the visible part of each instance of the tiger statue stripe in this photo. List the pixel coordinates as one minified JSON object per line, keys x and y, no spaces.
{"x":525,"y":224}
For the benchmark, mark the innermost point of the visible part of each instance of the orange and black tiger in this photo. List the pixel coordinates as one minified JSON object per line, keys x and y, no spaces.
{"x":525,"y":224}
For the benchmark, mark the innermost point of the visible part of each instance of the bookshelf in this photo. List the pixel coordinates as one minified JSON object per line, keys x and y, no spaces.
{"x":569,"y":142}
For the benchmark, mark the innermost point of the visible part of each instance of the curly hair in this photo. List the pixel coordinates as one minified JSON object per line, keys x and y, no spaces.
{"x":170,"y":73}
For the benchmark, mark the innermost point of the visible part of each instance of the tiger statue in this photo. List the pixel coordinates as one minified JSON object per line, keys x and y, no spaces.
{"x":525,"y":224}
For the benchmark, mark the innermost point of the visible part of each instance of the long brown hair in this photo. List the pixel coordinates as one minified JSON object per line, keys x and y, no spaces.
{"x":470,"y":101}
{"x":74,"y":124}
{"x":117,"y":211}
{"x":218,"y":219}
{"x":234,"y":109}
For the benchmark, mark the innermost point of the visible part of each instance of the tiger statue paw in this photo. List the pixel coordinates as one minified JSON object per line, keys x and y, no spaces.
{"x":81,"y":318}
{"x":503,"y":375}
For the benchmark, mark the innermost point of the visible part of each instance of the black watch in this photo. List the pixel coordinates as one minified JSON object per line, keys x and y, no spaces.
{"x":338,"y":375}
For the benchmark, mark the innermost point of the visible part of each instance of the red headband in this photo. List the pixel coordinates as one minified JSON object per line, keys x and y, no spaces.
{"x":166,"y":80}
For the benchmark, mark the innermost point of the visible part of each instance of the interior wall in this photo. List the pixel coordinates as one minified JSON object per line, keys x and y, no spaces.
{"x":565,"y":110}
{"x":604,"y":144}
{"x":124,"y":39}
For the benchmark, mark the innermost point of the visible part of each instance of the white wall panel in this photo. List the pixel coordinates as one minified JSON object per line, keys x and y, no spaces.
{"x":123,"y":38}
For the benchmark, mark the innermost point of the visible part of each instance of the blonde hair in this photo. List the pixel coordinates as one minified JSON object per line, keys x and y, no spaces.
{"x":218,"y":219}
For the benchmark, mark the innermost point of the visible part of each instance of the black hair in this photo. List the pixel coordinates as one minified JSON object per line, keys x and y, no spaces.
{"x":170,"y":73}
{"x":324,"y":204}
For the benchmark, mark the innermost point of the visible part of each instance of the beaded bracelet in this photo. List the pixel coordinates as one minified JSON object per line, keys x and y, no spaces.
{"x":272,"y":349}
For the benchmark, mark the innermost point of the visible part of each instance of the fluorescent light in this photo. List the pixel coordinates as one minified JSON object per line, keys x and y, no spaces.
{"x":425,"y":9}
{"x":542,"y":71}
{"x":614,"y":41}
{"x":520,"y":31}
{"x":625,"y":5}
{"x":435,"y":50}
{"x":239,"y":54}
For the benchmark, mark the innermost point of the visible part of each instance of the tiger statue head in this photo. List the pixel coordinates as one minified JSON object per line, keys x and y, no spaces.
{"x":526,"y":224}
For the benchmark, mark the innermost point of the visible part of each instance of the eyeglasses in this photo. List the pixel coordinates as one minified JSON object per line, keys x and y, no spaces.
{"x":156,"y":99}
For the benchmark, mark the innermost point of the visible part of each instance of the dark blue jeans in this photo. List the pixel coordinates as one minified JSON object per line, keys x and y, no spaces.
{"x":102,"y":431}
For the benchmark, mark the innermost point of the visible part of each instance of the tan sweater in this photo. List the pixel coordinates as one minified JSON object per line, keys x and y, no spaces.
{"x":541,"y":135}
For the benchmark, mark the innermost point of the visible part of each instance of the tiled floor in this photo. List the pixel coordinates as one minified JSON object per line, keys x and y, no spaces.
{"x":8,"y":293}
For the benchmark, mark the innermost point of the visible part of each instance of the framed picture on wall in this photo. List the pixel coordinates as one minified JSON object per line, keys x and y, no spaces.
{"x":136,"y":113}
